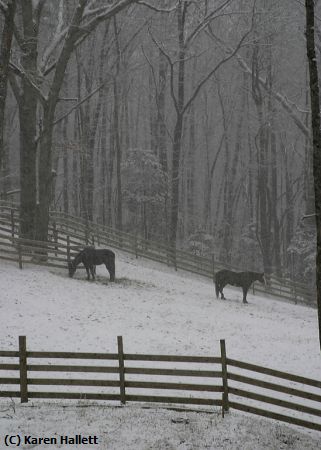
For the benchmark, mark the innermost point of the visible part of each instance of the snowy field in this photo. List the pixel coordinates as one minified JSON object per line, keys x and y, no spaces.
{"x":156,"y":311}
{"x":133,"y":428}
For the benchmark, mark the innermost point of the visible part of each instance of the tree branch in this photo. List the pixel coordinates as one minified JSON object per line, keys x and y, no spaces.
{"x":3,"y":7}
{"x":281,"y":99}
{"x":59,"y":34}
{"x":22,"y":74}
{"x":212,"y":72}
{"x":211,"y":16}
{"x":38,"y":9}
{"x":157,"y":93}
{"x":171,"y":68}
{"x":17,"y":91}
{"x":154,"y":8}
{"x":104,"y":13}
{"x":98,"y":88}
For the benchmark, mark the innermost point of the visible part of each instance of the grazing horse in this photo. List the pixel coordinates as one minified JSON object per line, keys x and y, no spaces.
{"x":242,"y":279}
{"x":90,"y":257}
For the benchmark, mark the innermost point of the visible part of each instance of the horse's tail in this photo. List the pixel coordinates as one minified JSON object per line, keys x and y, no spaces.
{"x":111,"y":264}
{"x":217,"y":289}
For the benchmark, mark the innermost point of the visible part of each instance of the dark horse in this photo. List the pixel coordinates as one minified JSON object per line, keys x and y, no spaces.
{"x":90,"y":257}
{"x":242,"y":279}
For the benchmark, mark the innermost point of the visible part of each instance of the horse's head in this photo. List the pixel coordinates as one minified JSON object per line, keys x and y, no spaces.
{"x":71,"y":269}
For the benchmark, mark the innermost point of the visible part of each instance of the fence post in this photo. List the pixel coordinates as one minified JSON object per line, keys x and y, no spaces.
{"x":12,"y":223}
{"x":23,"y":369}
{"x":87,"y":232}
{"x":55,"y":236}
{"x":68,"y":249}
{"x":136,"y":246}
{"x":174,"y":258}
{"x":168,"y":255}
{"x":98,"y":234}
{"x":225,"y":406}
{"x":19,"y":255}
{"x":121,"y":369}
{"x":213,"y":267}
{"x":294,"y":292}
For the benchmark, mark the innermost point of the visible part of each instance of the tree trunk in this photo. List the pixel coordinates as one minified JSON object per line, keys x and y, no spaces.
{"x":178,"y":131}
{"x":5,"y":48}
{"x":117,"y":141}
{"x":274,"y":205}
{"x":161,"y":127}
{"x":103,"y":164}
{"x":65,"y":168}
{"x":263,"y":196}
{"x":276,"y":244}
{"x":110,"y":174}
{"x":27,"y":103}
{"x":315,"y":109}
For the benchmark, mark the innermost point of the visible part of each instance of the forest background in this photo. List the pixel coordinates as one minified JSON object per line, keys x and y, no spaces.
{"x":179,"y":121}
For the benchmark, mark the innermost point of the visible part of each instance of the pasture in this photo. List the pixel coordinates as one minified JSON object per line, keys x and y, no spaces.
{"x":156,"y":311}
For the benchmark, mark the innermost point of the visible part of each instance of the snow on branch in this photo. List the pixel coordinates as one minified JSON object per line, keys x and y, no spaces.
{"x":24,"y":75}
{"x":230,"y":55}
{"x":97,"y":89}
{"x":154,"y":8}
{"x":308,"y":216}
{"x":210,"y":17}
{"x":59,"y":34}
{"x":281,"y":99}
{"x":37,"y":6}
{"x":3,"y":7}
{"x":171,"y":65}
{"x":104,"y":12}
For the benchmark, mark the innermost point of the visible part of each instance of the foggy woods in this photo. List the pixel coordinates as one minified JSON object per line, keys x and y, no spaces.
{"x":179,"y":121}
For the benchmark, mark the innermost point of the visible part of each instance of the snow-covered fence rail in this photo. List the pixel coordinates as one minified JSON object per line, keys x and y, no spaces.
{"x":65,"y":229}
{"x":49,"y":253}
{"x":297,"y":386}
{"x":131,"y":377}
{"x":120,"y":386}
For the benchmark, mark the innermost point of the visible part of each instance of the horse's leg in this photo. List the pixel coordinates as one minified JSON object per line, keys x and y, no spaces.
{"x":111,"y":270}
{"x":245,"y":289}
{"x":87,"y":266}
{"x":221,"y":290}
{"x":93,"y":271}
{"x":108,"y":270}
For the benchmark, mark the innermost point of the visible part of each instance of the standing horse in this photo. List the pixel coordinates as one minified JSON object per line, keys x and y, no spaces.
{"x":242,"y":279}
{"x":90,"y":257}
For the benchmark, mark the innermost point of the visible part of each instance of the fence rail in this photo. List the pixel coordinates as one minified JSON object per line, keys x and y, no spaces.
{"x":216,"y":384}
{"x":68,"y":234}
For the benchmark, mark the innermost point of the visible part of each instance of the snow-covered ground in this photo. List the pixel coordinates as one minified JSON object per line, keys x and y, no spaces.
{"x":135,"y":428}
{"x":156,"y":311}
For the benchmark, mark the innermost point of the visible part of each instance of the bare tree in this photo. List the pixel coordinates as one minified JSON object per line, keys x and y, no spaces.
{"x":56,"y":55}
{"x":315,"y":109}
{"x":6,"y":41}
{"x":178,"y":90}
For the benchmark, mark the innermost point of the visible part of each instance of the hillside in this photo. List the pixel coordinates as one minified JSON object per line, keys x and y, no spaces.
{"x":156,"y":311}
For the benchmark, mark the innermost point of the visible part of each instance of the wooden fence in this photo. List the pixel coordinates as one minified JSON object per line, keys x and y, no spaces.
{"x":66,"y":230}
{"x":122,"y":376}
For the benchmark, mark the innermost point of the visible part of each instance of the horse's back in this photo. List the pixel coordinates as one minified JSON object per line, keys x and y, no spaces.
{"x":234,"y":278}
{"x":92,"y":253}
{"x":221,"y":275}
{"x":105,"y":254}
